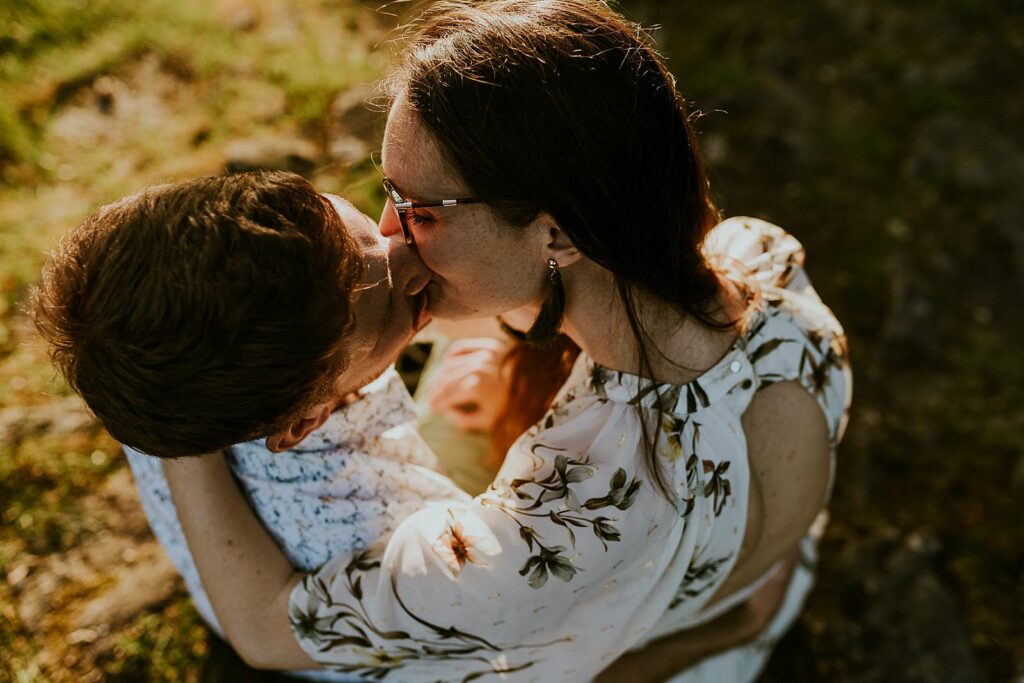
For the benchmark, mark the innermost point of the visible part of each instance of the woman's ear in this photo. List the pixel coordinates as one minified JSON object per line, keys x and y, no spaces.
{"x":292,"y":435}
{"x":558,"y":245}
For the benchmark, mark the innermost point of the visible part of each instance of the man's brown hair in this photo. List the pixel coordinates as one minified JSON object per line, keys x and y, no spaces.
{"x":199,"y":314}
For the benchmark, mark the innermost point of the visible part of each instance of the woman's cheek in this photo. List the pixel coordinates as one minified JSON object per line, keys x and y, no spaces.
{"x":449,"y":264}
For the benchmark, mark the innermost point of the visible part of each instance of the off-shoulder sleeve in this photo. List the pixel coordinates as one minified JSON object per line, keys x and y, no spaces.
{"x":464,"y":589}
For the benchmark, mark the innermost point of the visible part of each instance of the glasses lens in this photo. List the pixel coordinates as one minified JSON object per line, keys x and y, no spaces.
{"x":405,"y":227}
{"x":394,"y":198}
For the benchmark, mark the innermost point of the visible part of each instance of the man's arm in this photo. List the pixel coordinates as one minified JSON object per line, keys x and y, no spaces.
{"x":249,"y":581}
{"x":232,"y":550}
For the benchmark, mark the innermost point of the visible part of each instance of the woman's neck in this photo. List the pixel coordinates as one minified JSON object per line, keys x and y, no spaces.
{"x":679,"y":347}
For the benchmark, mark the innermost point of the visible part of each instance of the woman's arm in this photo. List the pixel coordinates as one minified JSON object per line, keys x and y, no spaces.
{"x":245,"y":574}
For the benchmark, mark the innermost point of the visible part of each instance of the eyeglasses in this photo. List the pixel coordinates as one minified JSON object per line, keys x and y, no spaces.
{"x":403,"y":207}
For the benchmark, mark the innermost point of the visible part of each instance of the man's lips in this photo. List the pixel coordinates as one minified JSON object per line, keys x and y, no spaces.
{"x":421,"y":316}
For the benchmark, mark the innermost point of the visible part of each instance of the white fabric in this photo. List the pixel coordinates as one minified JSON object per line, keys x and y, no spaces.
{"x":744,"y":664}
{"x":574,"y":555}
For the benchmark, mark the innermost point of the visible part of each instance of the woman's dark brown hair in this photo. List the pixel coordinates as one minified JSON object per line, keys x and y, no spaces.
{"x":196,"y":315}
{"x":564,"y":106}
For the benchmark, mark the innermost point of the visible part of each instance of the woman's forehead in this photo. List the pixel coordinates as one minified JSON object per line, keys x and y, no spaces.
{"x":411,"y":158}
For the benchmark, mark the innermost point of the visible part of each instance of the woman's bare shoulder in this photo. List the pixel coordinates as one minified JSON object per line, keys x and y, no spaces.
{"x":790,"y":457}
{"x":790,"y":461}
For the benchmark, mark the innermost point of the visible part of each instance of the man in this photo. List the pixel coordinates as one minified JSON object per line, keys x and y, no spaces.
{"x":243,"y":313}
{"x":239,"y":313}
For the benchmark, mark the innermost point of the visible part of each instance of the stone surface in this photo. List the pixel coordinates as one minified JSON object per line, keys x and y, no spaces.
{"x":899,"y":621}
{"x":58,"y":417}
{"x":117,"y":506}
{"x":348,"y":150}
{"x":360,"y":112}
{"x":276,"y":154}
{"x":149,"y":581}
{"x":239,"y":15}
{"x":123,"y":563}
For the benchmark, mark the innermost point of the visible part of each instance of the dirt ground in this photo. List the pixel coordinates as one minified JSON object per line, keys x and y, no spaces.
{"x":885,"y":135}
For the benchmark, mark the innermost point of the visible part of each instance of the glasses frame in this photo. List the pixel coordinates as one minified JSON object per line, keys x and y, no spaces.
{"x":403,"y":205}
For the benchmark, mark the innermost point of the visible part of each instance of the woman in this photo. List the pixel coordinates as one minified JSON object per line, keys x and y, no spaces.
{"x":692,"y":445}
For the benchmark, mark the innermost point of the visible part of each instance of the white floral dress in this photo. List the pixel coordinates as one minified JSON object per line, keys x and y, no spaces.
{"x":574,"y":555}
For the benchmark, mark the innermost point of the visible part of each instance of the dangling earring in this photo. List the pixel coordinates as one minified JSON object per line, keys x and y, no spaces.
{"x":545,"y":329}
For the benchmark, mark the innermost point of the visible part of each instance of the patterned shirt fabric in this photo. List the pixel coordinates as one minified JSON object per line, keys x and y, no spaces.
{"x":575,"y":554}
{"x":349,"y":482}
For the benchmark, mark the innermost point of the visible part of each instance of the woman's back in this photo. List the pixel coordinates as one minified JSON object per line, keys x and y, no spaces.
{"x":792,"y":422}
{"x":790,"y":461}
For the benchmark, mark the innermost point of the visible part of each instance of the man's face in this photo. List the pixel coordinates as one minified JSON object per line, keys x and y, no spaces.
{"x":389,"y":305}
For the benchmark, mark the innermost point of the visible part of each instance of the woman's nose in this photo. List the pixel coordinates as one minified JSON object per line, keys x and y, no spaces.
{"x":390,"y":225}
{"x":409,"y":272}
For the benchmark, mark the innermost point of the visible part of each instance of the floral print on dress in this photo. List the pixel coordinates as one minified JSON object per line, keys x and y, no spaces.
{"x":574,"y":554}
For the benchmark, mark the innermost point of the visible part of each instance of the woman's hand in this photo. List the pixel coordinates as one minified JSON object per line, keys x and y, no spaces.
{"x":469,"y":387}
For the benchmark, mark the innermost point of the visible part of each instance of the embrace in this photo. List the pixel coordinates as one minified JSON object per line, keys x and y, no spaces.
{"x":665,"y":404}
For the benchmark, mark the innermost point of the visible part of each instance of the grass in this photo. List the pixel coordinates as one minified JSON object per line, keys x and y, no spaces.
{"x":885,"y":135}
{"x":182,"y":81}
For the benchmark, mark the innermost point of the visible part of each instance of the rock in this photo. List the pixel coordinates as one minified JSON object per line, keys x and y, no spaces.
{"x":358,"y":112}
{"x":108,"y":555}
{"x":117,"y":506}
{"x":899,"y":621}
{"x":60,"y":417}
{"x":239,"y":15}
{"x":348,"y":150}
{"x":150,"y":581}
{"x":122,"y":550}
{"x":276,"y":154}
{"x":82,"y":566}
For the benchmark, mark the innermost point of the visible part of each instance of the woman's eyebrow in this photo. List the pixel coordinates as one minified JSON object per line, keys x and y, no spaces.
{"x":432,"y":193}
{"x":410,"y":196}
{"x":436,"y":195}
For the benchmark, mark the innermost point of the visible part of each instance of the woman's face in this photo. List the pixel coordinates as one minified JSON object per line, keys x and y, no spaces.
{"x":482,"y":266}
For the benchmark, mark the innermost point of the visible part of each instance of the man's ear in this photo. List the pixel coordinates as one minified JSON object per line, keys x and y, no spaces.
{"x":292,"y":435}
{"x":558,"y":245}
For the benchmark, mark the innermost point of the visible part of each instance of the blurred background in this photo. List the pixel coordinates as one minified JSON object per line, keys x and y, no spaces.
{"x":885,"y":135}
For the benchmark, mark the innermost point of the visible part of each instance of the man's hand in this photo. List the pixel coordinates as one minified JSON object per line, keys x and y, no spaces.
{"x":469,"y":386}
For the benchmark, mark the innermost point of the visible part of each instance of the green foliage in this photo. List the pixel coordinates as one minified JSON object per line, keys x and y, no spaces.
{"x":164,"y":646}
